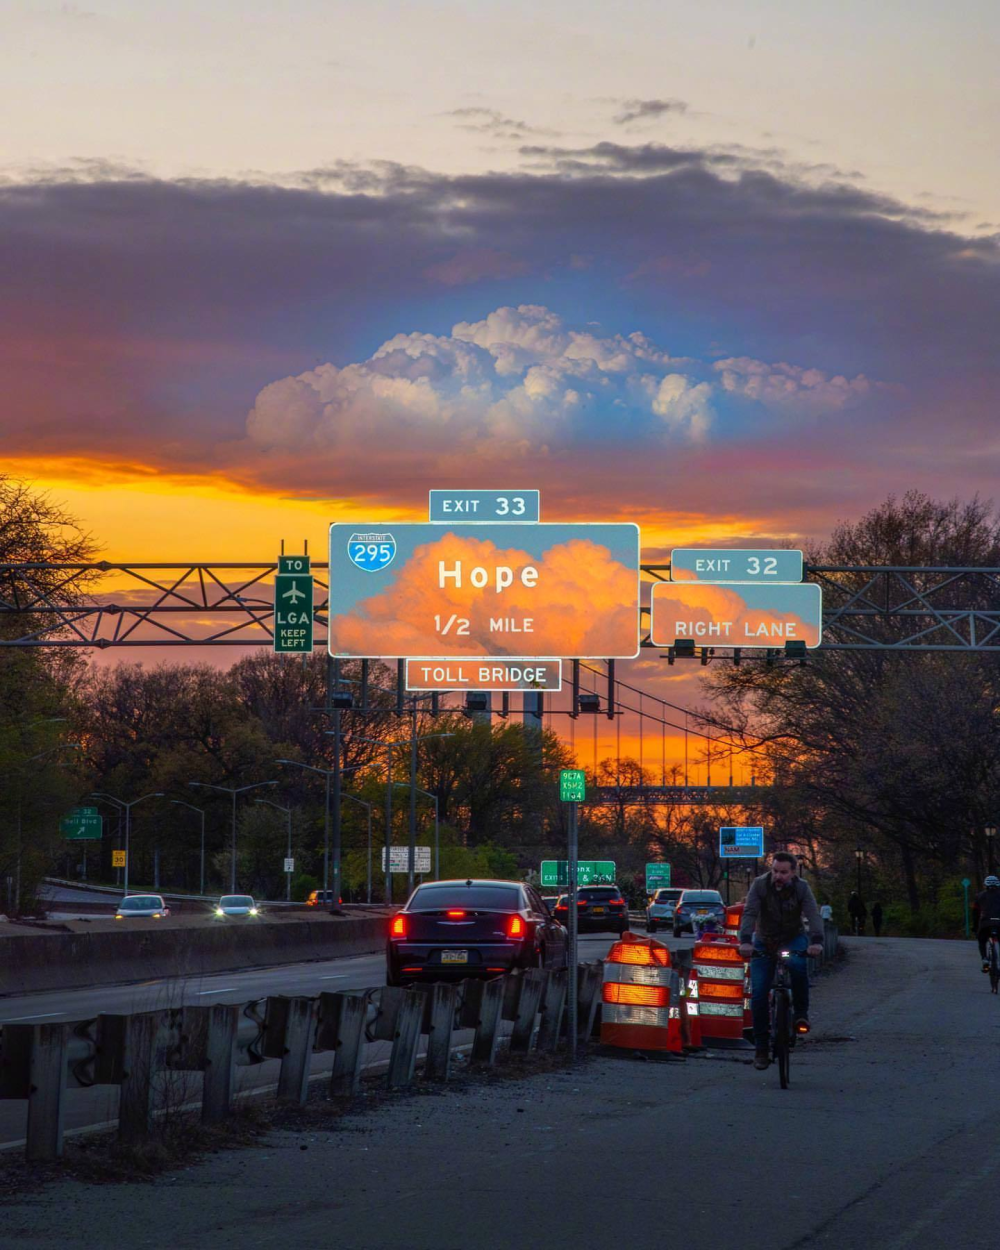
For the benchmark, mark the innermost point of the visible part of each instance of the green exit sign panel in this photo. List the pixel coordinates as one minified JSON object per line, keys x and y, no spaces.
{"x":555,"y":872}
{"x":293,"y":611}
{"x":83,"y":824}
{"x":572,"y":785}
{"x":657,"y":876}
{"x":293,"y":564}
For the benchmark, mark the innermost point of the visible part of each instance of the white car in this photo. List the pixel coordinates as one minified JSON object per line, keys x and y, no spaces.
{"x":660,"y":912}
{"x":147,"y":905}
{"x":236,"y":905}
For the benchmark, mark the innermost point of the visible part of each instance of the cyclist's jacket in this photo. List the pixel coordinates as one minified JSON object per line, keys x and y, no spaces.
{"x":776,"y":915}
{"x":987,"y":907}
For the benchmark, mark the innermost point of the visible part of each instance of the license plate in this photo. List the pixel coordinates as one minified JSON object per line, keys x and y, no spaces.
{"x":703,"y":913}
{"x":454,"y":957}
{"x":598,"y":911}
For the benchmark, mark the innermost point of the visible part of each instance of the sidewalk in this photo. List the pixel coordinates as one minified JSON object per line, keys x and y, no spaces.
{"x":884,"y":1139}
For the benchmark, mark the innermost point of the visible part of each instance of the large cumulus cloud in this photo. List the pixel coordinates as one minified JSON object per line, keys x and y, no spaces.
{"x":522,"y":375}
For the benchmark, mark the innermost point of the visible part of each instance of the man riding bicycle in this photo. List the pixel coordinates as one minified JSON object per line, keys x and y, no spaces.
{"x":772,"y":922}
{"x":986,"y":915}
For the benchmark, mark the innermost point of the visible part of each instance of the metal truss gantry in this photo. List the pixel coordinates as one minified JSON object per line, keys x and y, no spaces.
{"x":216,"y":604}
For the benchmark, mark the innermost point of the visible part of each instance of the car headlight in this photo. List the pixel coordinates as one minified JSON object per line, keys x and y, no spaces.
{"x":219,"y":911}
{"x":253,"y":911}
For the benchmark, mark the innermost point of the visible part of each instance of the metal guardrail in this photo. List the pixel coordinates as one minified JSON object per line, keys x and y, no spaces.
{"x":39,"y":1063}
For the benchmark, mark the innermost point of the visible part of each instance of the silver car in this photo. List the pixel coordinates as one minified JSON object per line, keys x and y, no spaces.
{"x":660,"y":912}
{"x":236,"y":905}
{"x":142,"y":905}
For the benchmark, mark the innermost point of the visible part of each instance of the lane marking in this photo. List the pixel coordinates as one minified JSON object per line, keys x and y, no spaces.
{"x":340,"y":976}
{"x":44,"y":1015}
{"x":222,"y":989}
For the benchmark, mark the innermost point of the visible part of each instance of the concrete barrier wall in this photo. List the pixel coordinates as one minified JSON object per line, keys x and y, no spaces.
{"x":70,"y":960}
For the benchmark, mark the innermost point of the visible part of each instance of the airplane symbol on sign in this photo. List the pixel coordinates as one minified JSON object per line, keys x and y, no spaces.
{"x":294,"y":594}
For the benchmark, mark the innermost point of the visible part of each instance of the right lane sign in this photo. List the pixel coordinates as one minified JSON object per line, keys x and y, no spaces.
{"x":736,"y":615}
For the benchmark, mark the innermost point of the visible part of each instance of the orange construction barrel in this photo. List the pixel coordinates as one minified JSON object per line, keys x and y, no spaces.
{"x":636,"y":996}
{"x":721,"y":972}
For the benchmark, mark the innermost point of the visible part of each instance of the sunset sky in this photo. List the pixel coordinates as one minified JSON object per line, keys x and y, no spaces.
{"x":729,"y":271}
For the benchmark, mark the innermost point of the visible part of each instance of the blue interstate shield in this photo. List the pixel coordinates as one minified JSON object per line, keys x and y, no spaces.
{"x":372,"y":551}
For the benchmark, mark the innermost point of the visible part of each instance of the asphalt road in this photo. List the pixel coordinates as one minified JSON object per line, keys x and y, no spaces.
{"x":886,"y":1139}
{"x":92,"y":1106}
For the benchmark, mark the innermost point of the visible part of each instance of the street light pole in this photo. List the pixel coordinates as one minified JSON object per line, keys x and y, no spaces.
{"x":288,"y":813}
{"x":334,"y":890}
{"x":201,"y":868}
{"x":368,"y":808}
{"x":437,"y":827}
{"x":233,"y":792}
{"x":98,"y":794}
{"x":991,"y":833}
{"x":388,"y":800}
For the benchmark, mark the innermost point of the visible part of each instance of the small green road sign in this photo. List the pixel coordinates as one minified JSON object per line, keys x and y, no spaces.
{"x":572,"y":785}
{"x":657,"y":877}
{"x":82,"y":824}
{"x":555,"y":872}
{"x":966,"y":882}
{"x":293,"y":607}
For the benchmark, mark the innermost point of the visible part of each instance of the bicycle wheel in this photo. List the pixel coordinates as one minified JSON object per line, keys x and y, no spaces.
{"x":994,"y":967}
{"x":782,"y":1037}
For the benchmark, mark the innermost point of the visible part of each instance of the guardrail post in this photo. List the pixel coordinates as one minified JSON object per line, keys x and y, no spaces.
{"x":529,"y":1000}
{"x":553,"y":1002}
{"x":482,"y":1009}
{"x":402,"y":1061}
{"x":341,"y":1028}
{"x":276,"y":1012}
{"x":589,"y":980}
{"x":109,"y":1051}
{"x":220,"y":1060}
{"x":135,"y":1107}
{"x":46,"y":1096}
{"x":390,"y":1001}
{"x":442,"y":1001}
{"x":300,"y":1029}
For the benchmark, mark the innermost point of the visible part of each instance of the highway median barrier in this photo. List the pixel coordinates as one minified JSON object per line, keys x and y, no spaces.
{"x":40,"y":1064}
{"x":108,"y":952}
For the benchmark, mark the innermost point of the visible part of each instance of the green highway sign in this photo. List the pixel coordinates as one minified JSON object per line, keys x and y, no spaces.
{"x":83,"y":824}
{"x":293,"y":606}
{"x":555,"y":872}
{"x":657,"y":877}
{"x":572,"y":785}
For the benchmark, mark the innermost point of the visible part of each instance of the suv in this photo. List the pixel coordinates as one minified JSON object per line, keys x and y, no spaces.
{"x":323,"y":898}
{"x":660,"y":912}
{"x":598,"y":907}
{"x":697,"y":906}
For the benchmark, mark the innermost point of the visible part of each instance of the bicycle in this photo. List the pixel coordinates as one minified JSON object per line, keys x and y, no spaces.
{"x":993,"y":955}
{"x":781,"y":1017}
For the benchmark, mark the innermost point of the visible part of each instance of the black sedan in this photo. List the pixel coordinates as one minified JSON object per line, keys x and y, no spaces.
{"x":598,"y":908}
{"x":454,"y":929}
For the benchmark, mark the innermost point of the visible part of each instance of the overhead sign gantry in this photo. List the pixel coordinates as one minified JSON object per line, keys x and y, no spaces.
{"x":490,"y":595}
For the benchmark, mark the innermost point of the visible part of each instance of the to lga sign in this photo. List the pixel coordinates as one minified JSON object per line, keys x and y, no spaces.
{"x":736,"y":615}
{"x":433,"y":591}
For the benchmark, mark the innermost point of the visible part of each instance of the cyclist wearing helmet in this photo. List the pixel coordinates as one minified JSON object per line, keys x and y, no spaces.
{"x":986,"y":915}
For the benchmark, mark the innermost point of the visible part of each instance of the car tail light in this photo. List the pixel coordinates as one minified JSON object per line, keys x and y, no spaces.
{"x":515,"y":927}
{"x":456,"y":915}
{"x":398,"y":927}
{"x":580,"y":902}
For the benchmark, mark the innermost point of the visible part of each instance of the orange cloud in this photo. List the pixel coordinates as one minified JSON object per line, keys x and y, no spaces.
{"x":584,"y":603}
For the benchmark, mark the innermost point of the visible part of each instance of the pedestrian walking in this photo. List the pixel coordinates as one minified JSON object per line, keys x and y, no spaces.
{"x":858,"y":912}
{"x":877,"y":919}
